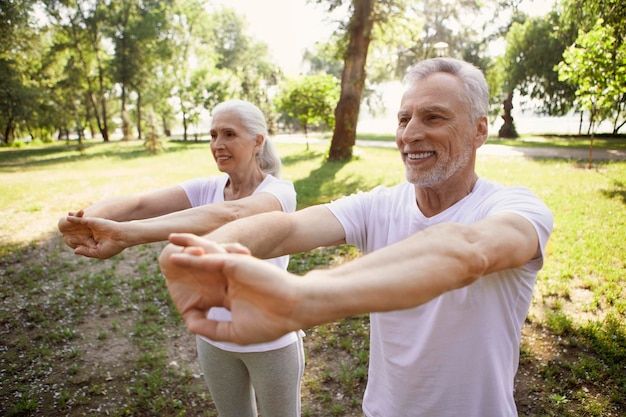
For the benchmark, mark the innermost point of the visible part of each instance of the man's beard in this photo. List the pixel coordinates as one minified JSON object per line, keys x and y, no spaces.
{"x":441,"y":172}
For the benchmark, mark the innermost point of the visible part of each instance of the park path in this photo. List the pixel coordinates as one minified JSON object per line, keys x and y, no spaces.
{"x":491,"y":149}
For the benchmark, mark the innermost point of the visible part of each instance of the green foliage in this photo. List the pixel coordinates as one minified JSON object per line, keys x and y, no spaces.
{"x":326,"y":58}
{"x":533,"y":49}
{"x":596,"y":65}
{"x":83,"y":66}
{"x":310,"y":100}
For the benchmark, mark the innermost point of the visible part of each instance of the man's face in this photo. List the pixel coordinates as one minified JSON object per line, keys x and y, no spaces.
{"x":436,"y":139}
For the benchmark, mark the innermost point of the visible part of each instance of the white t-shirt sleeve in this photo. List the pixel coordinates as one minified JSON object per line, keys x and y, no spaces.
{"x":208,"y":190}
{"x":283,"y":190}
{"x":522,"y":201}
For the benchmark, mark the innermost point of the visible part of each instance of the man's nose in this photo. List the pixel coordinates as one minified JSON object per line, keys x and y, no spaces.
{"x":414,"y":131}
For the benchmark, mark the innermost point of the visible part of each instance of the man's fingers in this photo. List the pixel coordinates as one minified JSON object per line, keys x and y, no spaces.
{"x":207,"y":262}
{"x":86,"y":251}
{"x":199,"y":324}
{"x":236,"y":248}
{"x":189,"y":239}
{"x":193,"y":250}
{"x":214,"y":330}
{"x":76,"y":219}
{"x":184,"y":239}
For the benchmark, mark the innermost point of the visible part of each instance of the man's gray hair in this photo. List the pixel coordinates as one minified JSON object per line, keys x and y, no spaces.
{"x":475,"y":90}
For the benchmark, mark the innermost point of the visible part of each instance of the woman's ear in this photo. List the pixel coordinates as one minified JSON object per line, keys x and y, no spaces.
{"x":259,"y":140}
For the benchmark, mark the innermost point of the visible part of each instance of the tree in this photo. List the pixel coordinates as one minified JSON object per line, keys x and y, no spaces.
{"x":19,"y":91}
{"x":326,"y":57}
{"x":596,"y":65}
{"x":533,"y":49}
{"x":403,"y":32}
{"x":310,"y":100}
{"x":246,"y":59}
{"x":352,"y":80}
{"x":602,"y":22}
{"x":138,"y":49}
{"x":83,"y":24}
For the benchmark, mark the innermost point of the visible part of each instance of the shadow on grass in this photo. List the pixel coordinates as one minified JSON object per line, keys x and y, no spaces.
{"x":618,"y":192}
{"x":49,"y":155}
{"x":322,"y":185}
{"x":293,"y":159}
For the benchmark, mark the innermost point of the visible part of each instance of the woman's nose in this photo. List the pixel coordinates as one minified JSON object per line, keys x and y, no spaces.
{"x":217,"y":142}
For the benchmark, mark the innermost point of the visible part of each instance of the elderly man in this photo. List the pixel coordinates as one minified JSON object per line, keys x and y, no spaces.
{"x":449,"y":265}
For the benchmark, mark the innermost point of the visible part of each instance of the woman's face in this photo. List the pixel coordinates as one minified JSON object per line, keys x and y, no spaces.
{"x":233,"y":148}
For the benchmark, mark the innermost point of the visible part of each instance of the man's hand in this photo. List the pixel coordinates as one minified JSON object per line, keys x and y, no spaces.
{"x":74,"y":234}
{"x":202,"y":274}
{"x":92,"y":236}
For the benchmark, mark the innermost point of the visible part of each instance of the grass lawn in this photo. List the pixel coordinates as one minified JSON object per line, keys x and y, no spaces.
{"x":92,"y":337}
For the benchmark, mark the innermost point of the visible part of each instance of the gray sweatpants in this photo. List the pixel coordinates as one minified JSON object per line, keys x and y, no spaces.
{"x":234,"y":379}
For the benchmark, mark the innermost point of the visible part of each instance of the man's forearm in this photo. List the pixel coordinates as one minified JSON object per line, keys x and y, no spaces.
{"x":418,"y":269}
{"x":404,"y":275}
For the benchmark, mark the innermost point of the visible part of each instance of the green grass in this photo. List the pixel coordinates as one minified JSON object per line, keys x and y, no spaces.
{"x":81,"y":334}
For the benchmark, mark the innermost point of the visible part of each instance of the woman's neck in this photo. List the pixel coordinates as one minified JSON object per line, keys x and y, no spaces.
{"x":242,"y":186}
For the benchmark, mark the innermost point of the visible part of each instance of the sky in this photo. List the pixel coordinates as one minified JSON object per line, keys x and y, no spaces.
{"x":291,"y":26}
{"x":288,"y":27}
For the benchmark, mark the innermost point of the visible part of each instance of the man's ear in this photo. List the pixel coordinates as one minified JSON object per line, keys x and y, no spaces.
{"x":482,"y":131}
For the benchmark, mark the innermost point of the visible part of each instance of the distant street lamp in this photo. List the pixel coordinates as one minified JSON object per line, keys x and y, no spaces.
{"x":441,"y":48}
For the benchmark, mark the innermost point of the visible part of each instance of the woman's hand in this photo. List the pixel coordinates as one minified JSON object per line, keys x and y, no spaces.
{"x":94,"y":237}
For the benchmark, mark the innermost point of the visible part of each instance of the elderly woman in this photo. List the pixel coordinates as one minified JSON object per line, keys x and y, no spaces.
{"x":237,"y":376}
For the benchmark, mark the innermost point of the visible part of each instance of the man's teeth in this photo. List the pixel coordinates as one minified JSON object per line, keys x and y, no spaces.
{"x":420,"y":155}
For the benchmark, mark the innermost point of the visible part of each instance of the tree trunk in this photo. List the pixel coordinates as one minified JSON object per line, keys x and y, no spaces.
{"x":590,"y":165}
{"x":507,"y":130}
{"x":352,"y":81}
{"x":8,"y":130}
{"x":125,"y":120}
{"x":139,"y":133}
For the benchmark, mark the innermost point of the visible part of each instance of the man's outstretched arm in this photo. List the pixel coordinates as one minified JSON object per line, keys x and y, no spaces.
{"x":273,"y":234}
{"x":267,"y":302}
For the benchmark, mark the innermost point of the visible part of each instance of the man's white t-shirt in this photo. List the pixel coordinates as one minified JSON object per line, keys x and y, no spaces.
{"x":202,"y":191}
{"x":456,"y":355}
